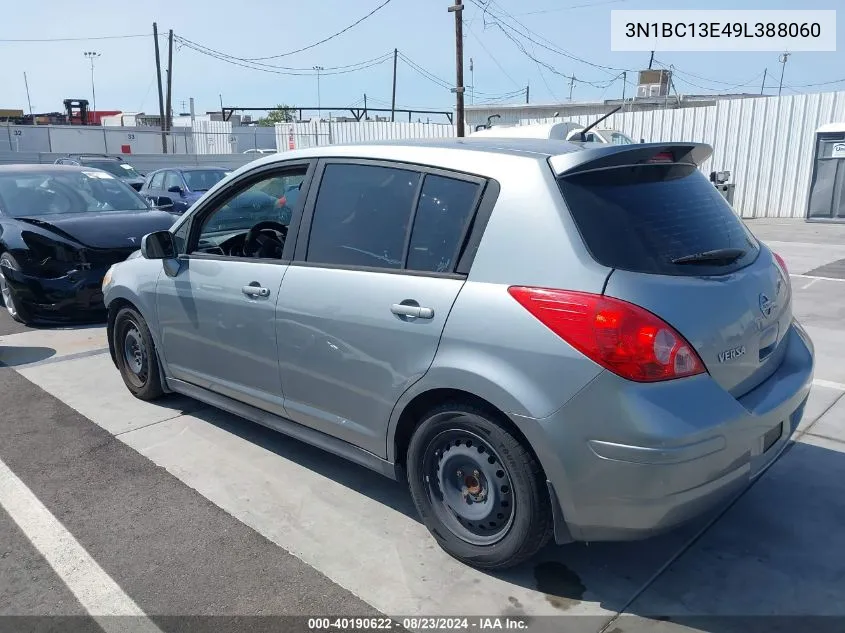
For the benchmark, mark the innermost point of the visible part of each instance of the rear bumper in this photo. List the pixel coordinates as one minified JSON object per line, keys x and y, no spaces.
{"x":629,"y":460}
{"x":77,"y":296}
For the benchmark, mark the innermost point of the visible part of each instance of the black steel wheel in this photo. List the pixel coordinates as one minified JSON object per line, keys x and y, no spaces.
{"x":479,"y":490}
{"x":468,"y":486}
{"x":135,"y":355}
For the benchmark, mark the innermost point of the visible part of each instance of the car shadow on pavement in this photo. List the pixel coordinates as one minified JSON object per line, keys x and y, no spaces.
{"x":23,"y":355}
{"x":776,"y":549}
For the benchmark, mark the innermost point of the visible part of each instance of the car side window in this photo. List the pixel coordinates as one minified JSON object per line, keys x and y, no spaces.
{"x":224,"y":229}
{"x":157,"y":181}
{"x":445,"y":208}
{"x":172,"y":179}
{"x":361,"y":216}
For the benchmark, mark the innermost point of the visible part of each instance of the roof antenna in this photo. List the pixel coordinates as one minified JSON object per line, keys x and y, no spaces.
{"x":595,"y":123}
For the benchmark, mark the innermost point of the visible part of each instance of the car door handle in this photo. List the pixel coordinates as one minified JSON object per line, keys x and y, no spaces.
{"x":255,"y":291}
{"x":414,"y":311}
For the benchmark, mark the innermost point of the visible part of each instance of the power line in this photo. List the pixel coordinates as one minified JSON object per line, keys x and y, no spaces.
{"x":322,"y":41}
{"x":77,"y":39}
{"x":537,"y":39}
{"x":445,"y":84}
{"x":283,"y":70}
{"x":491,"y":56}
{"x":574,"y":6}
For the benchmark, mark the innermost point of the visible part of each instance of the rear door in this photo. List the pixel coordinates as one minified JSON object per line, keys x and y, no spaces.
{"x":364,"y":302}
{"x":679,"y":250}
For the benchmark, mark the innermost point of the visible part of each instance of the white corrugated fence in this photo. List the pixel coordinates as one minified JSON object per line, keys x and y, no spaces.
{"x":767,"y":144}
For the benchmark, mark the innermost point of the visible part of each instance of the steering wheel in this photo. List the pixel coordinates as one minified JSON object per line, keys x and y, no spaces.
{"x":262,"y":240}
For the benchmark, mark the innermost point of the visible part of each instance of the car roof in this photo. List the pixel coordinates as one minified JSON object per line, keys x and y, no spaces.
{"x":490,"y":145}
{"x":189,"y":168}
{"x":43,"y":169}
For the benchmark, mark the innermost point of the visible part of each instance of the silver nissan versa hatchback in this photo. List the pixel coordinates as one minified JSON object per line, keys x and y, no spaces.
{"x":543,"y":339}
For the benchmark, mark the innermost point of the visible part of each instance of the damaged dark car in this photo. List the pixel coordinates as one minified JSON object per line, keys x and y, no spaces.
{"x":61,"y":228}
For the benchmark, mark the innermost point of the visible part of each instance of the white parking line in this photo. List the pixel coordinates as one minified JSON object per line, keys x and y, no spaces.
{"x":817,"y":278}
{"x":829,"y":384}
{"x":99,"y":594}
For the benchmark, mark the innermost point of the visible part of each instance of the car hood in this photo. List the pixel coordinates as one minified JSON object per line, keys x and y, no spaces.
{"x":108,"y":229}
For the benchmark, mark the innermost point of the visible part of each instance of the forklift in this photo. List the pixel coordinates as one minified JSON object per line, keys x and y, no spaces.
{"x":77,"y":111}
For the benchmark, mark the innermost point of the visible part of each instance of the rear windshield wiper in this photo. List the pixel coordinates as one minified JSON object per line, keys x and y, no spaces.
{"x":718,"y":256}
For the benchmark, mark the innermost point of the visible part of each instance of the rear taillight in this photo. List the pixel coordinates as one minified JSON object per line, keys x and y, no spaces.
{"x":620,"y":336}
{"x":782,"y":265}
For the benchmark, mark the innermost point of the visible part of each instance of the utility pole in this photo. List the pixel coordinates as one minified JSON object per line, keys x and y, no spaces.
{"x":169,"y":112}
{"x":28,"y":101}
{"x":365,"y":106}
{"x":458,"y":9}
{"x":92,"y":55}
{"x":318,"y":69}
{"x":763,"y":87}
{"x":527,"y":92}
{"x":624,"y":85}
{"x":160,"y":95}
{"x":571,"y":86}
{"x":471,"y":82}
{"x":783,"y":59}
{"x":393,"y":100}
{"x":651,"y":60}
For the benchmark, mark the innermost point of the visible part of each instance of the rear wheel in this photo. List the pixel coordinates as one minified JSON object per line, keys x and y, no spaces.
{"x":136,"y":355}
{"x":13,"y":305}
{"x":480,"y":492}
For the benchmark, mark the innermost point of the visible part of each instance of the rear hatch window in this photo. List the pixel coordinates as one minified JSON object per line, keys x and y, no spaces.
{"x":658,"y":218}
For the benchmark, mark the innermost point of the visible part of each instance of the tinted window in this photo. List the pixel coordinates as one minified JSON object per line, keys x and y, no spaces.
{"x":640,"y":218}
{"x":445,"y":207}
{"x":115,"y":167}
{"x":157,"y":181}
{"x":361,"y":216}
{"x":172,"y":179}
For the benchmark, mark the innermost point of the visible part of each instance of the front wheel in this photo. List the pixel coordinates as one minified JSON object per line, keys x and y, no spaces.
{"x":14,"y":306}
{"x":136,"y":355}
{"x":479,"y":490}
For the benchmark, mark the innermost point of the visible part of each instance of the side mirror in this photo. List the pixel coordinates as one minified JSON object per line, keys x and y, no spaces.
{"x":163,"y":202}
{"x":175,"y":189}
{"x":158,"y":245}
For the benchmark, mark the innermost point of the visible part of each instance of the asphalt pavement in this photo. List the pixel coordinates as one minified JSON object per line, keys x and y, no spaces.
{"x":181,"y":516}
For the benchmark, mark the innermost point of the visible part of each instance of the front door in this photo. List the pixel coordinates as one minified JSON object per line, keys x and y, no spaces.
{"x":362,"y":307}
{"x":217,"y":313}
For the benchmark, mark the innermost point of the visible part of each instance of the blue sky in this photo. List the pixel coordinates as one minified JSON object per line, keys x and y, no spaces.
{"x":422,"y":30}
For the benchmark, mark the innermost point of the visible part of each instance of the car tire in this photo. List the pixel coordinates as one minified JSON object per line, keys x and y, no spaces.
{"x":136,"y":355}
{"x":479,"y":490}
{"x":14,"y":306}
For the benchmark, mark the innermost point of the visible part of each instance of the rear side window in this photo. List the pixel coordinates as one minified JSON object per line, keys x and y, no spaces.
{"x":157,"y":181}
{"x":643,"y":218}
{"x":361,"y":216}
{"x":445,"y":208}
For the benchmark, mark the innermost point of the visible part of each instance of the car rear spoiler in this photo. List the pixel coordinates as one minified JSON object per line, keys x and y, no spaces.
{"x":625,"y":155}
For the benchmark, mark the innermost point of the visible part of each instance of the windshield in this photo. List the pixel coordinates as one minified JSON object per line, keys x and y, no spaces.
{"x":203,"y":180}
{"x":617,"y":138}
{"x":116,"y":168}
{"x":34,"y":194}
